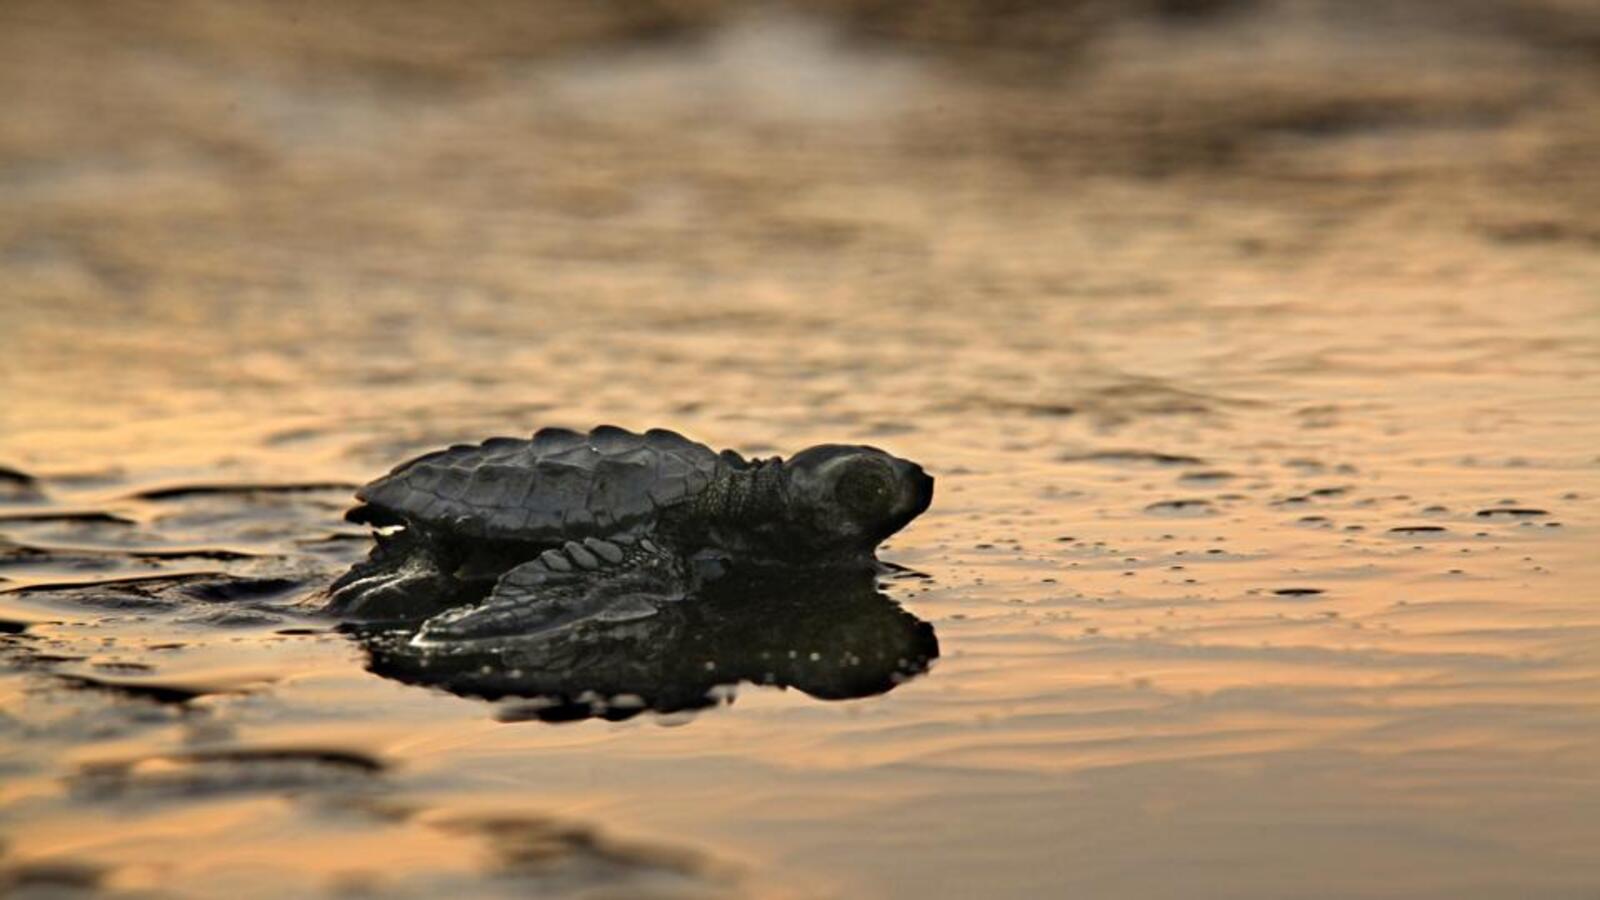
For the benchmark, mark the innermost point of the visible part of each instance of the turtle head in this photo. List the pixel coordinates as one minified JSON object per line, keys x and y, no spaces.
{"x":843,"y":500}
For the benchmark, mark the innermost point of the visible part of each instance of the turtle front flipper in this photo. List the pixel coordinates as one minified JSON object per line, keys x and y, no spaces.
{"x":601,"y":580}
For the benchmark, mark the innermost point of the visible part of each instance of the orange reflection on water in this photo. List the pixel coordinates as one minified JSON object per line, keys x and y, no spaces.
{"x":1232,"y":366}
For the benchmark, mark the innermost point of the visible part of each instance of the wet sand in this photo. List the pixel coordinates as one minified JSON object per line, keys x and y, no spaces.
{"x":1254,"y":347}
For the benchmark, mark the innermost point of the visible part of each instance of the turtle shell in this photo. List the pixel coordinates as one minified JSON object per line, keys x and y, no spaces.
{"x":559,"y":485}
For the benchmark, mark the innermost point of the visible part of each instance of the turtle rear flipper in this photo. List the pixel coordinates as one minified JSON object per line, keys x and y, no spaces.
{"x":592,"y":580}
{"x":402,"y":578}
{"x":376,"y":516}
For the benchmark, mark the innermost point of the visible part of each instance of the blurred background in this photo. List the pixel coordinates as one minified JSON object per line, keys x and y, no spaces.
{"x":232,"y":204}
{"x":1253,"y":343}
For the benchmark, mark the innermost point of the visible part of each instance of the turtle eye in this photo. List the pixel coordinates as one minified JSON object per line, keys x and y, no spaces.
{"x":864,"y":489}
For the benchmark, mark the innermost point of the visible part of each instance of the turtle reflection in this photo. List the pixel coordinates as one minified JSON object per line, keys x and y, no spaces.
{"x":832,"y":635}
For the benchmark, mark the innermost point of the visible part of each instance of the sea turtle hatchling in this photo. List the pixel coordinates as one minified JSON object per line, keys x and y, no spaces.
{"x":517,"y":535}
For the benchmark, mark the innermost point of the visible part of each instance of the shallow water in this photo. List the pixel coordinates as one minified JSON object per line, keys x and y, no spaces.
{"x":1254,"y":353}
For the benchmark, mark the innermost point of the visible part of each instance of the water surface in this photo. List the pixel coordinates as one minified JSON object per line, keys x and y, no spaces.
{"x":1254,"y":351}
